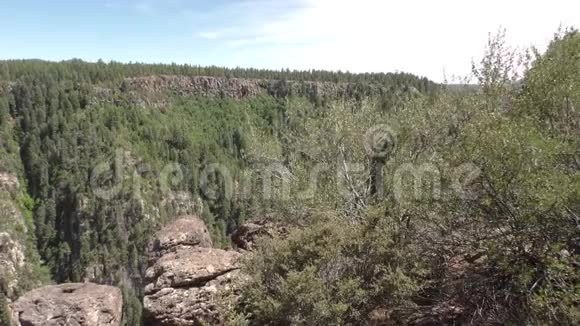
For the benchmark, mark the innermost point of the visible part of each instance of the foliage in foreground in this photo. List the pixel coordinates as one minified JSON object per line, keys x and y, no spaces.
{"x":4,"y":314}
{"x":333,"y":272}
{"x":484,"y":229}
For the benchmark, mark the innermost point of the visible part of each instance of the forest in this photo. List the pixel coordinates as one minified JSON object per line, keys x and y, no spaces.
{"x":430,"y":204}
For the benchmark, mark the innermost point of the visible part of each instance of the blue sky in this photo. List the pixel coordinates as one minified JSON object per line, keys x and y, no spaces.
{"x":430,"y":38}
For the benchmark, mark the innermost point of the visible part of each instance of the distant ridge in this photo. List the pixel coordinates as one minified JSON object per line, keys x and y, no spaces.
{"x":101,"y":72}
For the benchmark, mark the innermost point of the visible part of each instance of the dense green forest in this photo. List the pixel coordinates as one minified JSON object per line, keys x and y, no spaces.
{"x":487,"y":234}
{"x":55,"y":137}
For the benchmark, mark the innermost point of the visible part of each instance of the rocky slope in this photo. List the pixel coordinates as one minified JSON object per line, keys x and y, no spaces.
{"x":12,"y":258}
{"x":186,"y":275}
{"x":158,"y":91}
{"x":73,"y":304}
{"x":19,"y":262}
{"x":242,"y":87}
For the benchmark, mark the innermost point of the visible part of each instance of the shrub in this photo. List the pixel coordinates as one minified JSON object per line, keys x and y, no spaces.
{"x":332,"y":273}
{"x":4,"y":312}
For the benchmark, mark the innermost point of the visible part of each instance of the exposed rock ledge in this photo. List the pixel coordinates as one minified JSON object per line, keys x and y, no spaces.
{"x":72,"y":304}
{"x":185,"y":232}
{"x":247,"y":235}
{"x":157,"y":91}
{"x":245,"y":87}
{"x":186,"y":275}
{"x":13,"y":260}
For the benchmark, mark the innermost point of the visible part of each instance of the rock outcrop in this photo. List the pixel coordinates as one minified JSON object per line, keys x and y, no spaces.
{"x":195,"y":86}
{"x":12,"y":261}
{"x":73,"y":304}
{"x":5,"y":87}
{"x":186,"y":275}
{"x":186,"y":232}
{"x":156,"y":90}
{"x":189,"y":267}
{"x":8,"y":182}
{"x":247,"y":235}
{"x":12,"y":236}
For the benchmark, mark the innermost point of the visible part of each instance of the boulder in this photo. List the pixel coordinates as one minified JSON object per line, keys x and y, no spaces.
{"x":72,"y":304}
{"x":185,"y":275}
{"x":188,"y":305}
{"x":188,"y":231}
{"x":189,"y":267}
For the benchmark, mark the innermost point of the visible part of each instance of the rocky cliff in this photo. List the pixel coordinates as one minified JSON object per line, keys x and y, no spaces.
{"x":186,"y":275}
{"x":16,"y":250}
{"x":242,"y":87}
{"x":158,"y":90}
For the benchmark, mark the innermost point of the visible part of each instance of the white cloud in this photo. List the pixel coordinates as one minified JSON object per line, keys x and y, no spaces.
{"x":423,"y":37}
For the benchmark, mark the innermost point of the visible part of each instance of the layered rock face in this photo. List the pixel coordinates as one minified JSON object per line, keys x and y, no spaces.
{"x":196,"y":86}
{"x":153,"y":90}
{"x":186,"y":275}
{"x":12,"y":235}
{"x":12,"y":260}
{"x":73,"y":304}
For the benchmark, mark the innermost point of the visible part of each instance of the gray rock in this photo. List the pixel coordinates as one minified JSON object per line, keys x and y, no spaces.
{"x":186,"y":275}
{"x":155,"y":90}
{"x":189,"y":267}
{"x":12,"y":261}
{"x":9,"y":182}
{"x":189,"y":305}
{"x":71,"y":304}
{"x":188,"y":231}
